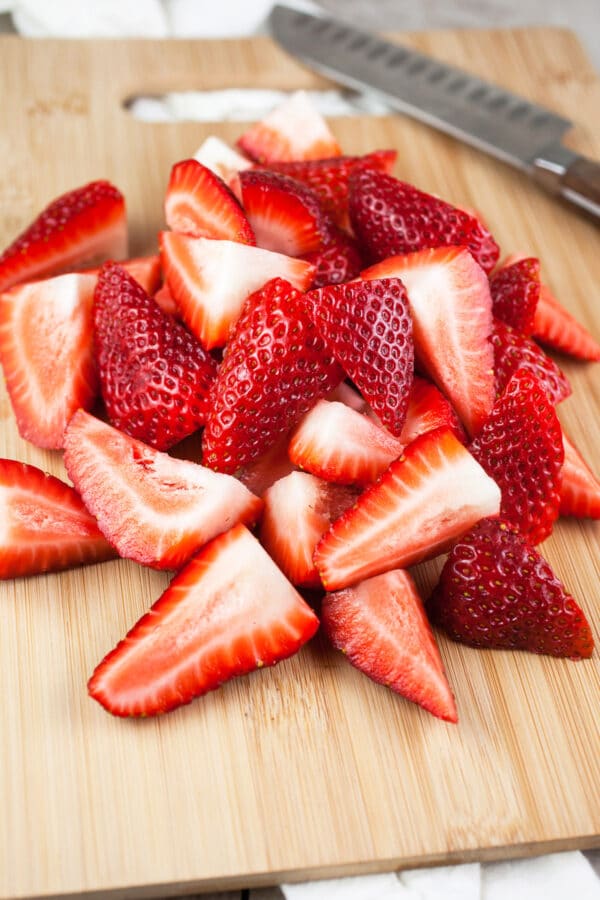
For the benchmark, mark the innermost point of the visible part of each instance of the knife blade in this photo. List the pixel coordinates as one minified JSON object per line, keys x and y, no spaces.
{"x":484,"y":115}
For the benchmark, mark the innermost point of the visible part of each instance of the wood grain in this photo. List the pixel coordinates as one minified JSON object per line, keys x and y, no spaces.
{"x":307,"y":770}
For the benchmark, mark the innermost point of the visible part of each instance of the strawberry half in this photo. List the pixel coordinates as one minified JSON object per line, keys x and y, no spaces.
{"x":515,"y":291}
{"x":579,"y":487}
{"x":46,"y":350}
{"x":514,"y":351}
{"x":520,"y":447}
{"x":200,"y":204}
{"x":425,"y":500}
{"x":428,"y":409}
{"x":45,"y":526}
{"x":81,"y":228}
{"x":338,"y":260}
{"x":155,"y":376}
{"x":276,"y":367}
{"x":496,"y":590}
{"x":368,"y":327}
{"x":153,"y":508}
{"x":223,"y":160}
{"x":381,"y":628}
{"x":228,"y":612}
{"x":555,"y":326}
{"x":391,"y":217}
{"x":450,"y":304}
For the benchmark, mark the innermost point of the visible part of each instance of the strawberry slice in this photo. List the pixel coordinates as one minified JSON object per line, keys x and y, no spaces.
{"x":210,"y":280}
{"x":555,"y":326}
{"x":520,"y":447}
{"x":164,"y":298}
{"x":293,"y":130}
{"x":46,"y":350}
{"x":155,"y":376}
{"x":45,"y":526}
{"x":261,"y":473}
{"x":228,"y":612}
{"x":200,"y":204}
{"x":298,"y":511}
{"x":496,"y":590}
{"x":154,"y":509}
{"x":515,"y":291}
{"x":579,"y":487}
{"x":381,"y":628}
{"x":390,"y":217}
{"x":428,"y":409}
{"x":338,"y":260}
{"x":146,"y":271}
{"x":369,"y":329}
{"x":514,"y":351}
{"x":339,"y":444}
{"x":425,"y":500}
{"x":222,"y":159}
{"x":81,"y":228}
{"x":276,"y":367}
{"x":450,"y":304}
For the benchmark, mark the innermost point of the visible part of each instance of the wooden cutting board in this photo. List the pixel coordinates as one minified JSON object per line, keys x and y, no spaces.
{"x":307,"y":770}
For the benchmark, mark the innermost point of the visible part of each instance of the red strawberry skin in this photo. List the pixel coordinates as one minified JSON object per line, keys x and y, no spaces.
{"x":155,"y":376}
{"x":514,"y":351}
{"x":515,"y":291}
{"x":276,"y":367}
{"x":45,"y":525}
{"x":496,"y":590}
{"x":338,"y":260}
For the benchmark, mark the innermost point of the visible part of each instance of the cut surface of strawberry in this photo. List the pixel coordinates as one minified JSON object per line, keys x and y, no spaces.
{"x":579,"y":487}
{"x":425,"y":500}
{"x":382,"y":629}
{"x":164,"y":298}
{"x":554,"y":326}
{"x":211,"y":279}
{"x":261,"y":473}
{"x":220,"y":158}
{"x":155,"y":376}
{"x":450,"y":303}
{"x":80,"y":228}
{"x":428,"y":409}
{"x":153,"y":508}
{"x":514,"y":351}
{"x":200,"y":204}
{"x":46,"y":350}
{"x":45,"y":526}
{"x":229,"y":612}
{"x":146,"y":271}
{"x":496,"y":590}
{"x":515,"y":291}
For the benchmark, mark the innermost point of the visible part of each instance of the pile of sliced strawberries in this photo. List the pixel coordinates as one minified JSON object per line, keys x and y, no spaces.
{"x":370,"y":391}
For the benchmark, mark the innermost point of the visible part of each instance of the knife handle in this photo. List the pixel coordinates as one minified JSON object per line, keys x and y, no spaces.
{"x":581,"y":184}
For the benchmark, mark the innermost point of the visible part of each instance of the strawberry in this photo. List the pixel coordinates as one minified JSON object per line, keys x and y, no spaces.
{"x":514,"y":351}
{"x":294,"y":130}
{"x":425,"y":500}
{"x":80,"y":228}
{"x":368,"y":327}
{"x":338,"y":260}
{"x":450,"y":304}
{"x":555,"y":326}
{"x":520,"y":447}
{"x":579,"y":487}
{"x":154,"y":509}
{"x":145,"y":270}
{"x":345,"y":393}
{"x":298,"y":511}
{"x":428,"y":409}
{"x":228,"y":612}
{"x":155,"y":376}
{"x":380,"y":626}
{"x":46,"y":350}
{"x":390,"y":217}
{"x":164,"y":298}
{"x":45,"y":526}
{"x":496,"y":590}
{"x":261,"y":473}
{"x":515,"y":291}
{"x":222,"y":159}
{"x":200,"y":204}
{"x":339,"y":444}
{"x":285,"y":214}
{"x":276,"y":367}
{"x":210,"y":280}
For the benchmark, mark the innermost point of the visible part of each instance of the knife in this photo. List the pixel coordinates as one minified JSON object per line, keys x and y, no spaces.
{"x":475,"y":111}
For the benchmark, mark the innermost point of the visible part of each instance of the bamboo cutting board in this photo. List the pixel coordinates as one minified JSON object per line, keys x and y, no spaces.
{"x":307,"y":770}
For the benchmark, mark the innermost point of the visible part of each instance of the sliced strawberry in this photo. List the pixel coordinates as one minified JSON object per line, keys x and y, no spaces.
{"x":369,"y":329}
{"x":338,"y":260}
{"x":380,"y":626}
{"x":164,"y":298}
{"x":222,"y":159}
{"x":450,"y":304}
{"x":146,"y":271}
{"x":293,"y":130}
{"x":514,"y":351}
{"x":340,"y":445}
{"x":298,"y":511}
{"x":579,"y":487}
{"x":496,"y":590}
{"x":210,"y":280}
{"x":276,"y":367}
{"x":390,"y":217}
{"x":261,"y":473}
{"x":155,"y":376}
{"x":428,"y":409}
{"x":81,"y":228}
{"x":425,"y":500}
{"x":555,"y":326}
{"x":154,"y":509}
{"x":45,"y":526}
{"x":228,"y":612}
{"x":46,"y":349}
{"x":520,"y":447}
{"x":200,"y":204}
{"x":515,"y":291}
